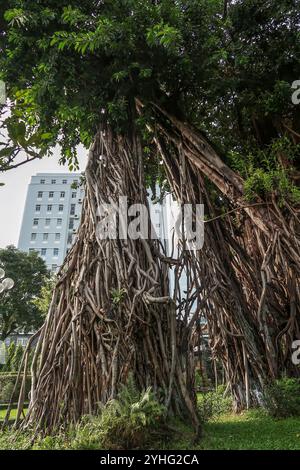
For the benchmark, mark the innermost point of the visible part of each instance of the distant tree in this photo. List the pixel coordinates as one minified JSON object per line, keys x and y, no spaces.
{"x":17,"y":358}
{"x":43,"y":301}
{"x":17,"y":309}
{"x":10,"y":352}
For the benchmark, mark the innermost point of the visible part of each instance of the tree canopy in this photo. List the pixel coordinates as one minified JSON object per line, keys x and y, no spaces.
{"x":225,"y":66}
{"x":17,"y":308}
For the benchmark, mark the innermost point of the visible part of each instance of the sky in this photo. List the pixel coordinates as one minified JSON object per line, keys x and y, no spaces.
{"x":13,"y":193}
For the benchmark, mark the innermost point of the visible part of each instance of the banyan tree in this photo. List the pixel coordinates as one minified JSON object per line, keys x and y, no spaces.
{"x":195,"y":95}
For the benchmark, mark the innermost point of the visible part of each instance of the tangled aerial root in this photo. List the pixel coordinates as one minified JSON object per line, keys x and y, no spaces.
{"x":111,"y":312}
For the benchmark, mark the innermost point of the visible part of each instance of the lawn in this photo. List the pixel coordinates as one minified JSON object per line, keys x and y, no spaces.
{"x":13,"y":414}
{"x":246,"y":431}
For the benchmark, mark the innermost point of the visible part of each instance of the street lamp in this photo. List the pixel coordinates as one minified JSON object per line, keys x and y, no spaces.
{"x":7,"y":283}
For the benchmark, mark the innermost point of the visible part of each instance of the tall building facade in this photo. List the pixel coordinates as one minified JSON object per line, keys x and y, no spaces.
{"x":51,"y":216}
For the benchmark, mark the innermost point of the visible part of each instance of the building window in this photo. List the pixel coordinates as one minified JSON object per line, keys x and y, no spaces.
{"x":62,"y":195}
{"x":37,"y":208}
{"x":60,"y":208}
{"x":42,"y":182}
{"x":64,"y":182}
{"x":51,"y":195}
{"x":53,"y":181}
{"x":57,"y":237}
{"x":40,"y":194}
{"x":70,"y":238}
{"x":45,"y":236}
{"x":71,"y":224}
{"x":74,"y":195}
{"x":49,"y":208}
{"x":55,"y":252}
{"x":43,"y":251}
{"x":73,"y":207}
{"x":47,"y":222}
{"x":33,"y":237}
{"x":54,"y":267}
{"x":35,"y":222}
{"x":59,"y":222}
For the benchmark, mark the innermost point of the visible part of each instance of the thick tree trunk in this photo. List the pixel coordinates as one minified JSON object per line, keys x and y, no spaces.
{"x":250,"y":265}
{"x":111,"y":312}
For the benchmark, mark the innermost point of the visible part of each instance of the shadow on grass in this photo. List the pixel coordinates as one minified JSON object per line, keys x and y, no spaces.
{"x":251,"y":430}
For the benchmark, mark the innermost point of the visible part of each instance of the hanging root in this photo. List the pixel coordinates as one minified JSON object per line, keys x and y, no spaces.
{"x":111,"y":312}
{"x":249,"y":268}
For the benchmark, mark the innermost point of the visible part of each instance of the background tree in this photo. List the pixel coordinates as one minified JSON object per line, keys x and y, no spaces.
{"x":9,"y":353}
{"x":17,"y":309}
{"x":42,"y":302}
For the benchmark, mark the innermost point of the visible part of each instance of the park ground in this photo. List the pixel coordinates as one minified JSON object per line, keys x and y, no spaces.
{"x":251,"y":430}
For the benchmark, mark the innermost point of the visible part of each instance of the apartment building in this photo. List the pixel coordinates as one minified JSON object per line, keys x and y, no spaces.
{"x":51,"y":216}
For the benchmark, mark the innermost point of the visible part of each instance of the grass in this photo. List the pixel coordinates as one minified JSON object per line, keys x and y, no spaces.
{"x":251,"y":430}
{"x":13,"y":413}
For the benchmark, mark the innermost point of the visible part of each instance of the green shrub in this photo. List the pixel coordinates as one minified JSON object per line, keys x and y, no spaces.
{"x":282,"y":398}
{"x":6,"y":392}
{"x":130,"y":421}
{"x":213,"y":404}
{"x":17,"y":358}
{"x":7,"y":382}
{"x":10,"y":352}
{"x":14,"y":440}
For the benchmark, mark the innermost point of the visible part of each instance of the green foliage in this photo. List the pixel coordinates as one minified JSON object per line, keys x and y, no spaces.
{"x":42,"y":302}
{"x":282,"y":398}
{"x":17,"y":358}
{"x":213,"y":404}
{"x":9,"y":353}
{"x":69,"y":65}
{"x":7,"y":383}
{"x":14,"y":356}
{"x":17,"y":310}
{"x":164,"y":35}
{"x":269,"y":171}
{"x":127,"y":422}
{"x":6,"y":392}
{"x":252,"y":430}
{"x":264,"y":183}
{"x":118,"y":295}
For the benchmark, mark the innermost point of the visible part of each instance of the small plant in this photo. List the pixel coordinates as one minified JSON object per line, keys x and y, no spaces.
{"x":130,"y":421}
{"x":213,"y":404}
{"x":117,"y":296}
{"x":282,"y":398}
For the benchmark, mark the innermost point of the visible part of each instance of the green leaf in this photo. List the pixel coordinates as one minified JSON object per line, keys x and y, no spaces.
{"x":6,"y":152}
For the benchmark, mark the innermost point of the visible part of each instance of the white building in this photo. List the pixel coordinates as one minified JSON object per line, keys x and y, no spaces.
{"x":51,"y":216}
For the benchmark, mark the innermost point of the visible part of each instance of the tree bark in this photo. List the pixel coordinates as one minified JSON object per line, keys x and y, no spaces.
{"x":111,"y":312}
{"x":250,"y":265}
